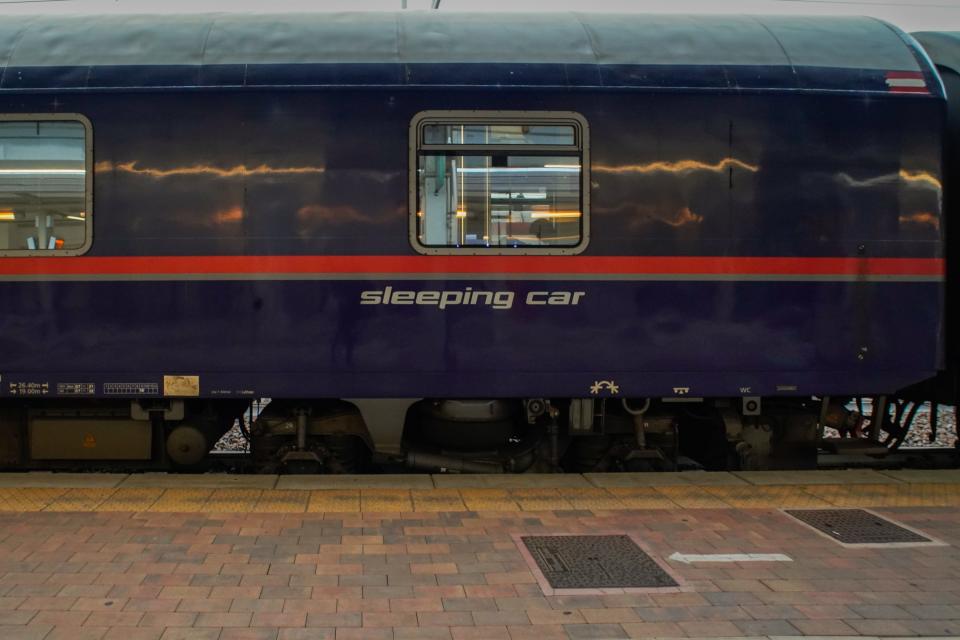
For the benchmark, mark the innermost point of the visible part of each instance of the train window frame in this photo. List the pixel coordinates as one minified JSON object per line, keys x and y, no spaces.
{"x":87,"y":183}
{"x":466,"y":117}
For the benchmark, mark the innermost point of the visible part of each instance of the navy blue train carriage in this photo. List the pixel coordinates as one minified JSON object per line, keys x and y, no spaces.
{"x":477,"y":243}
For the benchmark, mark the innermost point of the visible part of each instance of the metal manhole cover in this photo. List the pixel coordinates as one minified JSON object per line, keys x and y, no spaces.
{"x":595,"y":562}
{"x":856,"y":526}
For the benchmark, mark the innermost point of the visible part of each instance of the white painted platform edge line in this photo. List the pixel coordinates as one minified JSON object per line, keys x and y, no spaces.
{"x":729,"y":557}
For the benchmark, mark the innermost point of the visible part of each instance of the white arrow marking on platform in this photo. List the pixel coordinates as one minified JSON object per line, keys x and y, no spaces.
{"x":729,"y":557}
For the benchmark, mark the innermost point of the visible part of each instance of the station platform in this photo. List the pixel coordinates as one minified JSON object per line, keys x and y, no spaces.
{"x":155,"y":556}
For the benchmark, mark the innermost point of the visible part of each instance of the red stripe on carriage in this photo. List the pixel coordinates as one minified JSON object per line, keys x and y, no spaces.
{"x":615,"y":265}
{"x":896,"y":75}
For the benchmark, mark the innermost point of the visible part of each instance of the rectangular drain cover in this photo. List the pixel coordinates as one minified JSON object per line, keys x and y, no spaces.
{"x":595,"y":562}
{"x":856,"y":526}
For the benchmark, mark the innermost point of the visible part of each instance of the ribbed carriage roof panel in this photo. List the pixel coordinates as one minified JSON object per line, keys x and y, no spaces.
{"x":29,"y":44}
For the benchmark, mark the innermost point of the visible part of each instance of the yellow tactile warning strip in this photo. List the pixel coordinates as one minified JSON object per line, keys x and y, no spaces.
{"x":182,"y":500}
{"x":130,"y":500}
{"x":699,"y":498}
{"x":28,"y":499}
{"x":279,"y":501}
{"x":385,"y":500}
{"x":768,"y":497}
{"x":334,"y":501}
{"x":232,"y":500}
{"x":437,"y":500}
{"x":643,"y":498}
{"x":592,"y":499}
{"x":488,"y":500}
{"x":379,"y":500}
{"x":79,"y":500}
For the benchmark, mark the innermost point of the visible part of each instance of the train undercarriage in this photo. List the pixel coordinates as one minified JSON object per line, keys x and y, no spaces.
{"x":532,"y":435}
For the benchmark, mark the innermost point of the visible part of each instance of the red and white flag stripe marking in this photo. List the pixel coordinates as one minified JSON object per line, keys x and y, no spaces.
{"x":906,"y":82}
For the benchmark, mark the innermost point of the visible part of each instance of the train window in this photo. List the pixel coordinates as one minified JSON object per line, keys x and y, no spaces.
{"x":45,"y":179}
{"x":485,"y":134}
{"x":499,"y":182}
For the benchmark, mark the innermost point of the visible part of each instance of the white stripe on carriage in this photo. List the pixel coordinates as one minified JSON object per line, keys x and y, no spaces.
{"x":906,"y":82}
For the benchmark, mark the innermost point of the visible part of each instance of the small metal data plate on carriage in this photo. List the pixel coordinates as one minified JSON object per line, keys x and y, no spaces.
{"x":595,"y":562}
{"x":856,"y":526}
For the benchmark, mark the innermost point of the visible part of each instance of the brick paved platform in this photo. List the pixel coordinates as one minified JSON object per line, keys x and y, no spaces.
{"x":356,"y":562}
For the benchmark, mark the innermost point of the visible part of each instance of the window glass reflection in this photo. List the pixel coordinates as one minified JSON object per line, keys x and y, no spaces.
{"x":500,"y":134}
{"x":499,"y":200}
{"x":42,"y":185}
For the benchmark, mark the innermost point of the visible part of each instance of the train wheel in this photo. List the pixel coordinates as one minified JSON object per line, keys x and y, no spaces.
{"x":187,"y":446}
